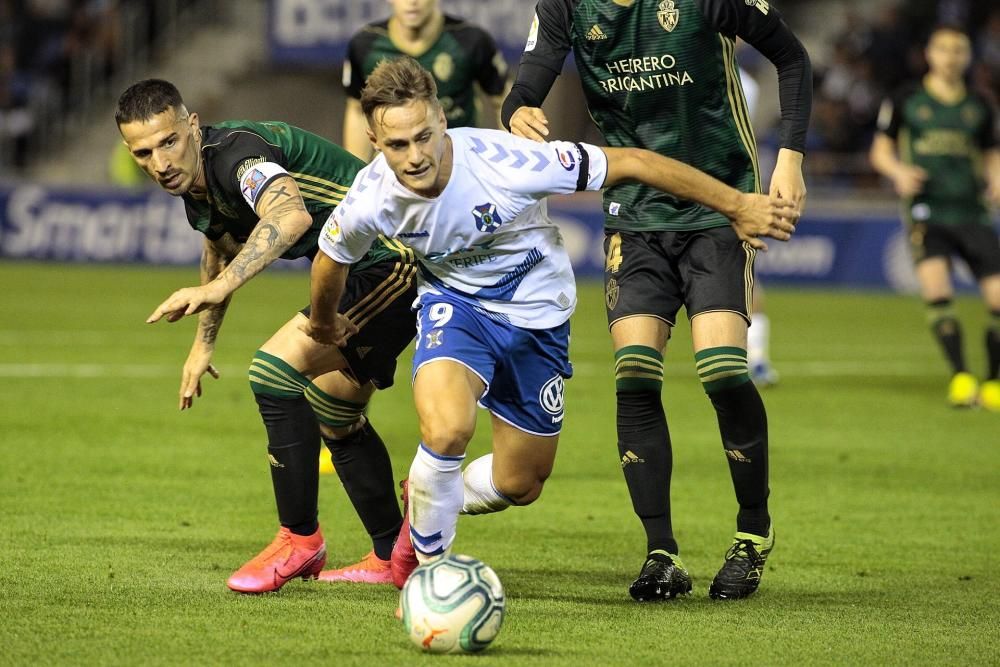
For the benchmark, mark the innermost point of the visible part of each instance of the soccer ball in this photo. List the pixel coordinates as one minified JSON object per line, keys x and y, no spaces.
{"x":454,"y":604}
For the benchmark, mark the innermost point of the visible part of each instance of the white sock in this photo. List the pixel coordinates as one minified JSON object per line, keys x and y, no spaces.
{"x":436,"y":491}
{"x":759,"y":340}
{"x":481,"y":496}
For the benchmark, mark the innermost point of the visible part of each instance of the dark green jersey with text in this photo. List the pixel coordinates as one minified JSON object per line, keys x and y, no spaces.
{"x":242,"y":158}
{"x":462,"y":56}
{"x":947,"y":141}
{"x":661,"y":75}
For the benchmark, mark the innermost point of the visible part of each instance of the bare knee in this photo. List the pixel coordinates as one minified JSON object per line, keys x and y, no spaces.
{"x":446,"y":439}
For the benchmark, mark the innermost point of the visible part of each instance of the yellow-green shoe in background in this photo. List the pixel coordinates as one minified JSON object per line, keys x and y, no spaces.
{"x":989,"y":395}
{"x":963,"y":390}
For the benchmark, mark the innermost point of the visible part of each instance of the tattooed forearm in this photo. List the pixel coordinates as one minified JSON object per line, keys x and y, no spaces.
{"x":210,"y":320}
{"x":273,"y":235}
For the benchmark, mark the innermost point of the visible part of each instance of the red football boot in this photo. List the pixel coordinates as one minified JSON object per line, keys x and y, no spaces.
{"x":287,"y":557}
{"x":369,"y":570}
{"x":404,"y":558}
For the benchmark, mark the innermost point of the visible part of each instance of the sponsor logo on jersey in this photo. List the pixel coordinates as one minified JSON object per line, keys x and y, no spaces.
{"x":595,"y":34}
{"x":613,"y":208}
{"x":759,"y":4}
{"x":251,"y":184}
{"x":668,"y":15}
{"x":532,"y":35}
{"x":551,"y":397}
{"x":443,"y":67}
{"x":434,"y":338}
{"x":487,"y":218}
{"x":566,"y":159}
{"x":630,"y":75}
{"x":412,"y":235}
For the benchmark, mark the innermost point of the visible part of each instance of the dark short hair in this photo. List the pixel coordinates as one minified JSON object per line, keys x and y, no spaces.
{"x":143,"y":100}
{"x":396,"y":82}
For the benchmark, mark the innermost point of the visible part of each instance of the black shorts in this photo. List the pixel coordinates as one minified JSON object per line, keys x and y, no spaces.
{"x":378,"y":300}
{"x":975,"y":243}
{"x":655,"y":273}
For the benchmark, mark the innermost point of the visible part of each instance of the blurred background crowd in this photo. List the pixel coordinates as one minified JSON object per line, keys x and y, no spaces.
{"x":62,"y":63}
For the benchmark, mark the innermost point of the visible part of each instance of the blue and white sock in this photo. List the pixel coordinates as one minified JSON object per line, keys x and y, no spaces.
{"x":436,"y":491}
{"x":481,"y":495}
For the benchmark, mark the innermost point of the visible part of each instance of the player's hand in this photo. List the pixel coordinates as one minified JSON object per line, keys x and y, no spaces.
{"x":786,"y":179}
{"x":909,"y":180}
{"x":336,"y":333}
{"x":530,"y":123}
{"x":198,"y":363}
{"x":188,"y":301}
{"x":762,"y":215}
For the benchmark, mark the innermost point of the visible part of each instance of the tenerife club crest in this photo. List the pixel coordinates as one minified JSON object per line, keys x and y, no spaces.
{"x":668,"y":15}
{"x":487,"y":218}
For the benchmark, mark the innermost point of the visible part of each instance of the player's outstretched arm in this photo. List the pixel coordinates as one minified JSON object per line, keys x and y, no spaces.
{"x":752,"y":215}
{"x":326,"y":285}
{"x":283,"y":220}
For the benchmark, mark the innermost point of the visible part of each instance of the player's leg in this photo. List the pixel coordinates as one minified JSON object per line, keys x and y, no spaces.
{"x":933,"y":275}
{"x":989,"y":393}
{"x":278,"y":378}
{"x":759,"y":342}
{"x":932,"y":247}
{"x":642,"y":299}
{"x":363,"y":467}
{"x":526,"y":399}
{"x":719,"y":271}
{"x":445,"y":394}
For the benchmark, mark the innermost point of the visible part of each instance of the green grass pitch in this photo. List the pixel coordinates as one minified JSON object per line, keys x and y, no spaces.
{"x":122,"y":517}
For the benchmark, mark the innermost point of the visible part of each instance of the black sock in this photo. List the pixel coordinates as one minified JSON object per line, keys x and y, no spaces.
{"x":647,"y":462}
{"x":948,"y":331}
{"x":362,"y":462}
{"x":993,"y":347}
{"x":293,"y":452}
{"x":743,"y":426}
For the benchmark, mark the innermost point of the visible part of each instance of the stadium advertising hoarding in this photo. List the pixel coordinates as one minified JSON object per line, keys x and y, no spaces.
{"x":317,"y":31}
{"x":88,"y":225}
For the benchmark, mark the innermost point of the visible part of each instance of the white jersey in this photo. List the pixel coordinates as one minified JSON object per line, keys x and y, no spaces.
{"x":487,"y":237}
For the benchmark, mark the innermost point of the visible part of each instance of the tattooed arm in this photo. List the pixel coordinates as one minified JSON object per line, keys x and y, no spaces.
{"x":283,"y":221}
{"x":214,"y":257}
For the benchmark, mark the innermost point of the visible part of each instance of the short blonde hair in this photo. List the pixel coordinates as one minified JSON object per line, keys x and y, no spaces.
{"x":397,"y":82}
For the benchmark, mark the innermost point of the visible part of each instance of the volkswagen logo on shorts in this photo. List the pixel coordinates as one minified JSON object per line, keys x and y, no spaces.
{"x":551,"y":396}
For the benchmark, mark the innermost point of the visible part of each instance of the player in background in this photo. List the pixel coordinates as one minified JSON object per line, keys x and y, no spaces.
{"x":937,"y":144}
{"x":260,"y":192}
{"x":458,"y":54}
{"x":662,"y":75}
{"x":495,"y":288}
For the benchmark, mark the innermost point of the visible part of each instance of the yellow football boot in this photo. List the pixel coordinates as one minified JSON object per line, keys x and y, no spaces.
{"x":989,"y":395}
{"x":963,"y":390}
